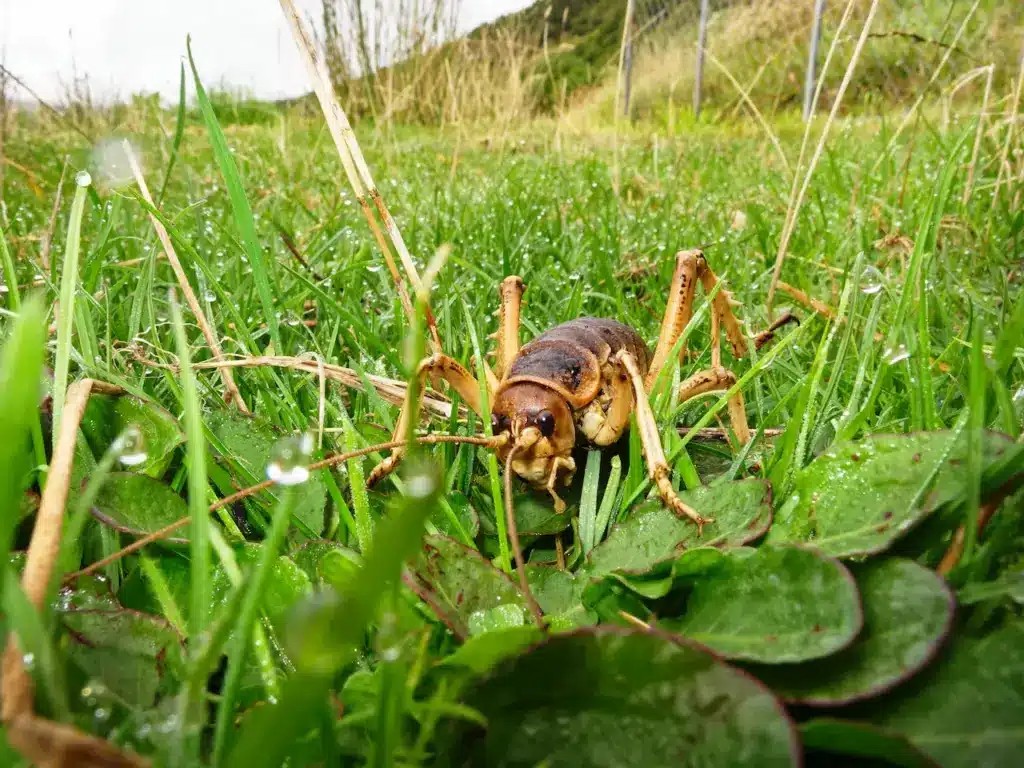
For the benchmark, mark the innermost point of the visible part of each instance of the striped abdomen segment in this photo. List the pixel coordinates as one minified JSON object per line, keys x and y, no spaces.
{"x":570,"y":357}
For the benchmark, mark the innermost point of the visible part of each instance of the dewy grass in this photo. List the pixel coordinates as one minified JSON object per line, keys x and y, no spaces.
{"x":514,"y":205}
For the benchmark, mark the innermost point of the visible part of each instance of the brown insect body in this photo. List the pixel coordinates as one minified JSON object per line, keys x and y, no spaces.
{"x":580,"y":381}
{"x":567,"y":372}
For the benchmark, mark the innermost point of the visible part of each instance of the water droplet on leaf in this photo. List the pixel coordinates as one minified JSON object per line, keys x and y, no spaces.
{"x":131,"y":446}
{"x":289,"y":460}
{"x":872,"y":281}
{"x":83,"y":179}
{"x":897,"y":355}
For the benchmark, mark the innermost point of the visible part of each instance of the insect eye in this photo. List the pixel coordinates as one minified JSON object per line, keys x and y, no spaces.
{"x":546,"y":423}
{"x":498,"y":423}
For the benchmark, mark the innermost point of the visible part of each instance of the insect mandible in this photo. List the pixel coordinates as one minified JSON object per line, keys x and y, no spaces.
{"x":579,"y":382}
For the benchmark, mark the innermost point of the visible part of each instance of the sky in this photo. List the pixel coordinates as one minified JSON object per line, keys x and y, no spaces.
{"x":128,"y":46}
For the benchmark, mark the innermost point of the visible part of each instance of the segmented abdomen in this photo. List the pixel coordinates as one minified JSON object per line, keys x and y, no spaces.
{"x":570,"y":356}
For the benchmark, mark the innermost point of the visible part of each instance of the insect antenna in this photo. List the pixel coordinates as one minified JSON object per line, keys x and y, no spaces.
{"x":481,"y":440}
{"x":513,"y":533}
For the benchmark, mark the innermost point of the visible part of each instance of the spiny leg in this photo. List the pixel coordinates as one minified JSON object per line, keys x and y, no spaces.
{"x":678,"y":310}
{"x":722,"y":306}
{"x":436,"y":366}
{"x":511,"y":291}
{"x":719,"y":379}
{"x":657,"y":466}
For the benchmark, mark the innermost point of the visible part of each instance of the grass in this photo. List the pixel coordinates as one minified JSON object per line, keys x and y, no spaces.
{"x":905,"y":263}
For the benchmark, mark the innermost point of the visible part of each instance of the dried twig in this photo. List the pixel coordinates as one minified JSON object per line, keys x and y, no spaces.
{"x":390,"y":390}
{"x":231,"y":392}
{"x":47,"y":241}
{"x":818,"y":306}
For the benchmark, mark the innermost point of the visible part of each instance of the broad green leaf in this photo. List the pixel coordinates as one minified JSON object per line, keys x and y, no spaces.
{"x":781,"y":604}
{"x":908,"y":611}
{"x":860,"y":496}
{"x":133,"y":654}
{"x":482,"y":653}
{"x":314,"y":556}
{"x":89,"y":593}
{"x":844,"y":737}
{"x":247,"y":443}
{"x":139,"y":504}
{"x":286,"y":584}
{"x":560,"y":596}
{"x":464,"y":513}
{"x":654,"y":535}
{"x":468,"y":588}
{"x":967,"y":708}
{"x":106,"y":416}
{"x":535,"y":515}
{"x":609,"y":697}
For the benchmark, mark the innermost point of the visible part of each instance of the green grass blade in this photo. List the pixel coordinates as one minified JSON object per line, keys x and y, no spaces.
{"x":611,"y":491}
{"x":975,"y":427}
{"x":504,"y":556}
{"x":268,"y":735}
{"x":247,"y":617}
{"x":9,"y":276}
{"x":179,"y":132}
{"x":21,"y":365}
{"x":66,"y":316}
{"x":239,"y":206}
{"x":197,"y":482}
{"x":34,"y":643}
{"x":588,"y":501}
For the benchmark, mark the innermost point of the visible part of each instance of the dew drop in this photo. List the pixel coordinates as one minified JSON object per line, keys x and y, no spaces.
{"x":289,"y":460}
{"x":210,"y":296}
{"x":897,"y":355}
{"x":111,"y":158}
{"x":83,"y":179}
{"x":131,"y":446}
{"x":872,"y":281}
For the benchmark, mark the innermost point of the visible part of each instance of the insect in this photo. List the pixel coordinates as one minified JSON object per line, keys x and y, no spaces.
{"x":579,"y":382}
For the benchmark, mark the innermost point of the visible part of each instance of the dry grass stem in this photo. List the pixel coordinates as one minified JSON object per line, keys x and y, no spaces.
{"x":40,"y":740}
{"x":795,"y":205}
{"x":356,"y":169}
{"x":924,"y":91}
{"x":390,"y":390}
{"x":51,"y":227}
{"x":231,"y":392}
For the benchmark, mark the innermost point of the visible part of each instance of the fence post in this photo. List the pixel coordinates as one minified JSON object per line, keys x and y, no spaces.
{"x":702,"y":38}
{"x":812,"y":59}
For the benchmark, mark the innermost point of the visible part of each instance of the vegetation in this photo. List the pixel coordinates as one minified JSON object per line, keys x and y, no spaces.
{"x":857,"y":595}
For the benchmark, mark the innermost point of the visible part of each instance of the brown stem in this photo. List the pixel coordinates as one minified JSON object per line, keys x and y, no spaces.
{"x":330,"y":461}
{"x":231,"y":390}
{"x":517,"y":550}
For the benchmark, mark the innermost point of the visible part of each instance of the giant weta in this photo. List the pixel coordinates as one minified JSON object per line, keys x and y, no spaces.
{"x":580,"y":381}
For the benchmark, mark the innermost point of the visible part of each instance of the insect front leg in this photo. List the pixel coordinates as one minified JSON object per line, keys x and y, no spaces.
{"x":436,"y":366}
{"x":657,"y":466}
{"x":559,"y":462}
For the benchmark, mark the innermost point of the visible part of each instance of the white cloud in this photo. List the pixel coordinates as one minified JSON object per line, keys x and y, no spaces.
{"x":128,"y":46}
